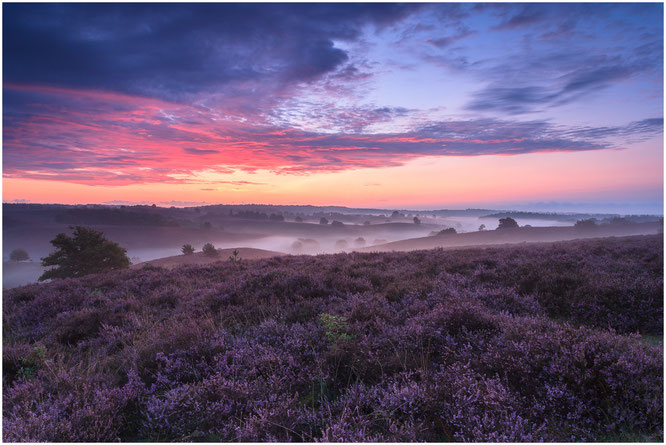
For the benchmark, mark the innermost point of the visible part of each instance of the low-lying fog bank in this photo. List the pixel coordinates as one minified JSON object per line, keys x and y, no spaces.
{"x":149,"y":233}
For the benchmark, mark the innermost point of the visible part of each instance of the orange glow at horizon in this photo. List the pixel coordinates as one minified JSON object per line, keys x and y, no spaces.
{"x":423,"y":182}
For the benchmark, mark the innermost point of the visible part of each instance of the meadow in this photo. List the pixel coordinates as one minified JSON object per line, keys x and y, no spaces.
{"x":544,"y":342}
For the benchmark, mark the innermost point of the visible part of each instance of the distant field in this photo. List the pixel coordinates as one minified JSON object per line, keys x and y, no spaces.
{"x":546,"y":342}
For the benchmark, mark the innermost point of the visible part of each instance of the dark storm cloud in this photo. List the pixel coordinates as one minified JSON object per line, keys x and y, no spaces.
{"x":173,"y":51}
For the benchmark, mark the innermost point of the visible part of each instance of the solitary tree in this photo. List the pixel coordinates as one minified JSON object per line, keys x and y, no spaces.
{"x":586,"y":224}
{"x":209,"y":250}
{"x":482,"y":227}
{"x":323,"y":221}
{"x":337,"y":224}
{"x":86,"y":252}
{"x":18,"y":255}
{"x":417,"y":220}
{"x":507,"y":223}
{"x":187,"y":249}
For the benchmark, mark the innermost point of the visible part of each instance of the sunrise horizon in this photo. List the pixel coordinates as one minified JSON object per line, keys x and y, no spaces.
{"x":351,"y":104}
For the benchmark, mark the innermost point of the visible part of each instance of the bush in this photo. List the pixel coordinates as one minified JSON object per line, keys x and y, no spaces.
{"x":86,"y":252}
{"x":323,"y":221}
{"x":210,"y":250}
{"x":337,"y":224}
{"x":187,"y":249}
{"x":417,"y":220}
{"x":448,"y":231}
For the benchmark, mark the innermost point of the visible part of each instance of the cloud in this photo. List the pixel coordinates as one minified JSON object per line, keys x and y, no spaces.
{"x":139,"y":145}
{"x":176,"y":51}
{"x":561,"y":87}
{"x":200,"y":151}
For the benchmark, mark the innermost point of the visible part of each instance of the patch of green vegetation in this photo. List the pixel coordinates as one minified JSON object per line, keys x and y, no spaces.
{"x":337,"y":328}
{"x":30,"y":363}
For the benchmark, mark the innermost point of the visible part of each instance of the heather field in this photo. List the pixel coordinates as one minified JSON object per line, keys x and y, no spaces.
{"x":543,"y":342}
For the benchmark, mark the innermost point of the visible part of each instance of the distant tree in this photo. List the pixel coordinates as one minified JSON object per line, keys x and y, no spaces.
{"x":360,"y":241}
{"x":586,"y":224}
{"x":507,"y":223}
{"x":19,"y":255}
{"x":276,"y":217}
{"x":337,"y":224}
{"x":341,"y":244}
{"x":482,"y":227}
{"x":417,"y":220}
{"x":298,"y":219}
{"x":448,"y":231}
{"x":323,"y":221}
{"x":187,"y":249}
{"x":396,"y":214}
{"x":210,"y":250}
{"x":86,"y":252}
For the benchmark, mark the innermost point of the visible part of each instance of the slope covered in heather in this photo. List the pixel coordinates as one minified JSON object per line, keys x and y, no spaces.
{"x":523,"y":343}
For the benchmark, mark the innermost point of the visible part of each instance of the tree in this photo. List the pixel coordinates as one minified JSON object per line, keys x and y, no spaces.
{"x":482,"y":227}
{"x":19,"y":255}
{"x":449,"y":231}
{"x":298,"y":219}
{"x":323,"y":221}
{"x":586,"y":224}
{"x":417,"y":221}
{"x":209,"y":250}
{"x":337,"y":224}
{"x":86,"y":252}
{"x":360,"y":241}
{"x":187,"y":249}
{"x":507,"y":223}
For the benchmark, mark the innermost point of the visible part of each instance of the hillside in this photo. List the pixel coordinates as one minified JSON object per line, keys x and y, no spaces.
{"x":517,"y":235}
{"x":551,"y":342}
{"x":198,"y":258}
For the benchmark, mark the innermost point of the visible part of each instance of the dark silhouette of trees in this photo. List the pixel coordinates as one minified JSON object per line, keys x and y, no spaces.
{"x":19,"y":255}
{"x":507,"y":223}
{"x":482,"y":227}
{"x":586,"y":224}
{"x":187,"y":249}
{"x":323,"y":221}
{"x":337,"y":224}
{"x":449,"y":231}
{"x":86,"y":252}
{"x":417,"y":220}
{"x":209,"y":250}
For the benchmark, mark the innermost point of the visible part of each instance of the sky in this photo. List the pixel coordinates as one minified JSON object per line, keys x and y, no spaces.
{"x":420,"y":106}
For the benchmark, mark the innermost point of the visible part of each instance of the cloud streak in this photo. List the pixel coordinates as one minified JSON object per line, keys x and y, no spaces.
{"x":157,"y":141}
